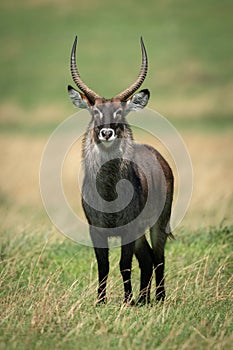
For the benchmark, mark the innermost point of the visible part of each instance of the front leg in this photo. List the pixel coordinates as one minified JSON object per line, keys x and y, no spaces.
{"x":125,"y":268}
{"x":103,"y":270}
{"x":100,"y":244}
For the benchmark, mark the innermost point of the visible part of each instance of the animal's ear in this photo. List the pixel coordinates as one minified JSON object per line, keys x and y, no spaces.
{"x":138,"y":101}
{"x":78,"y":99}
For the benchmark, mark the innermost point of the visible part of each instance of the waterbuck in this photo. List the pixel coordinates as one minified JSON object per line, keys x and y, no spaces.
{"x":127,"y":187}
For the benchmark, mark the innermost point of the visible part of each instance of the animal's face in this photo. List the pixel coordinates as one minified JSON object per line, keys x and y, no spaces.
{"x":109,"y":122}
{"x":109,"y":115}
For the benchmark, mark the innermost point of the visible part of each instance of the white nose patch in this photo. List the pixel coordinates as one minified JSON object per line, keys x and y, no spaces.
{"x":107,"y":135}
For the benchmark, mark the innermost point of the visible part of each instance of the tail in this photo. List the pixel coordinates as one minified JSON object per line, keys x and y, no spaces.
{"x":168,"y":232}
{"x":171,"y":236}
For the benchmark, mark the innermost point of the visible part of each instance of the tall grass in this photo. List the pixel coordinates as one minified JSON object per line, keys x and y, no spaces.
{"x":48,"y":291}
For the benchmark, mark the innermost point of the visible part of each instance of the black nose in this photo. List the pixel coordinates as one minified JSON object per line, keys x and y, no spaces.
{"x":106,"y":133}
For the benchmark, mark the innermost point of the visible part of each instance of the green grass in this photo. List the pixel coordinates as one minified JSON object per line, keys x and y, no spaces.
{"x":48,"y":291}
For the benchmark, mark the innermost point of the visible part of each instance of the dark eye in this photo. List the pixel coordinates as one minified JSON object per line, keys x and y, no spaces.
{"x":96,"y":113}
{"x":118,"y":113}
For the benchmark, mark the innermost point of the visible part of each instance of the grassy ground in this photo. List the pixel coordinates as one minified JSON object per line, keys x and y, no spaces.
{"x":48,"y":291}
{"x":48,"y":283}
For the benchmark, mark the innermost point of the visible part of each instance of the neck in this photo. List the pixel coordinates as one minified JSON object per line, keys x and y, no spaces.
{"x":96,"y":155}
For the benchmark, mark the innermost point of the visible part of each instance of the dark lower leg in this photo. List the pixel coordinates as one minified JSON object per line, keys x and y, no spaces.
{"x":158,"y":240}
{"x":125,"y":268}
{"x":103,"y":270}
{"x":159,"y":275}
{"x":145,"y":286}
{"x":144,"y":256}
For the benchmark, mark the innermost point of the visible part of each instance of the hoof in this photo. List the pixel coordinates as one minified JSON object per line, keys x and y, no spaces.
{"x":100,"y":301}
{"x":160,"y":297}
{"x":129,"y":301}
{"x":142,"y":300}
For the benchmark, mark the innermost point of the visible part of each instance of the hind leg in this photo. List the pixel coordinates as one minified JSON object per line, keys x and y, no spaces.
{"x":144,"y":255}
{"x":158,"y":241}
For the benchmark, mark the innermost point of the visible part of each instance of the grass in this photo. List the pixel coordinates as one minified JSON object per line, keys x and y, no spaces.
{"x":48,"y":291}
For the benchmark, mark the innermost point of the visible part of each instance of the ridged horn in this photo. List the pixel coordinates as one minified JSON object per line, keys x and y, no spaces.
{"x":141,"y":77}
{"x":92,"y":95}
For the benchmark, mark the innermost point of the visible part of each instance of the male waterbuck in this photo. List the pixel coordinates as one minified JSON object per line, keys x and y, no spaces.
{"x":127,"y":187}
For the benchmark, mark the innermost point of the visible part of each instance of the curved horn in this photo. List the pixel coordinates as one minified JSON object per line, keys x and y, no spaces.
{"x":141,"y":77}
{"x":76,"y":77}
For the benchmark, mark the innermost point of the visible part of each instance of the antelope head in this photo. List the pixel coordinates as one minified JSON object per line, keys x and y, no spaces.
{"x":108,"y":115}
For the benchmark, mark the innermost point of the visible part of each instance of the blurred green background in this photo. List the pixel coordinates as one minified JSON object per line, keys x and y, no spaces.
{"x":189,"y":44}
